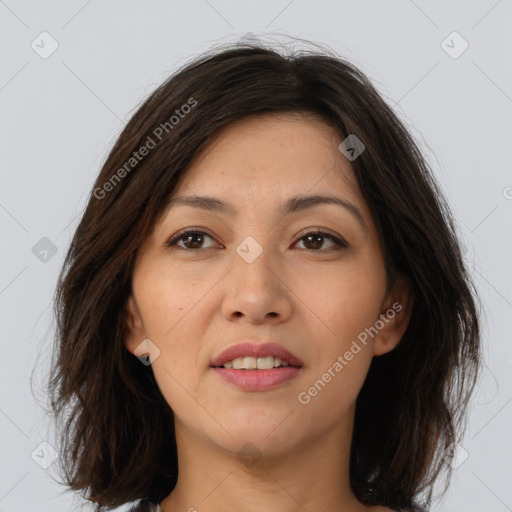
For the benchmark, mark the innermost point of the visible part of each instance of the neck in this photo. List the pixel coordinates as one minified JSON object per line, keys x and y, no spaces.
{"x":312,"y":476}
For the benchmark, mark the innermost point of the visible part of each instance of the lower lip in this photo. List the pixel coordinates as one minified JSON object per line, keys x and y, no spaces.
{"x":257,"y":380}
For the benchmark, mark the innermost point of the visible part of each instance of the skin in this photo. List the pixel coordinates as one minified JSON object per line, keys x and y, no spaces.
{"x":312,"y":299}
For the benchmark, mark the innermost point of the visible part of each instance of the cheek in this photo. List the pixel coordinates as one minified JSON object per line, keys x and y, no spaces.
{"x":347,"y":353}
{"x":331,"y":391}
{"x":168,"y":310}
{"x":167,"y":299}
{"x":341,"y":302}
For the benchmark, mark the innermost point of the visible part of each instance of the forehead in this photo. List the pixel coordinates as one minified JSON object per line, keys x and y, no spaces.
{"x":285,"y":154}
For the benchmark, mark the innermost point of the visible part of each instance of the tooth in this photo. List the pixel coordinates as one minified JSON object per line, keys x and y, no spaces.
{"x":253,"y":363}
{"x":249,"y":363}
{"x":237,"y":363}
{"x":265,"y":363}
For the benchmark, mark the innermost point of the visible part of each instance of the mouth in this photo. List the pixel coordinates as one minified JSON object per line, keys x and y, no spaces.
{"x":256,"y":363}
{"x":256,"y":367}
{"x":255,"y":356}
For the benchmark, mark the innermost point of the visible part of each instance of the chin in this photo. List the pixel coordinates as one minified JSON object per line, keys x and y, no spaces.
{"x":268,"y":434}
{"x":249,"y":450}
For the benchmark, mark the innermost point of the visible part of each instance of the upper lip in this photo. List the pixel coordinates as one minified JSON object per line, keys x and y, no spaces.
{"x":249,"y":349}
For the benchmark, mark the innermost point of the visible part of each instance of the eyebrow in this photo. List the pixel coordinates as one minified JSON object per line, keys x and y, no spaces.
{"x":294,"y":204}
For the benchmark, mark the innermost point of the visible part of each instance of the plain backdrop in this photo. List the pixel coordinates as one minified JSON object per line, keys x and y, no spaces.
{"x":72,"y":72}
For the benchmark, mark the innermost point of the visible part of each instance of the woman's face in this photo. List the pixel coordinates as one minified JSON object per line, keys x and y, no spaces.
{"x":254,"y":275}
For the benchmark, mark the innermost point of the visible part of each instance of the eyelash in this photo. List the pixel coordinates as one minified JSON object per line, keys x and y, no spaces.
{"x":341,"y":244}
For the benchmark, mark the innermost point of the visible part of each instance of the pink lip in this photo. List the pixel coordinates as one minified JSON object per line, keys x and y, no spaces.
{"x":256,"y":350}
{"x":257,"y":380}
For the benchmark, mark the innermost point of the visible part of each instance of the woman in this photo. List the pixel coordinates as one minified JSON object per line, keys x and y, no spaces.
{"x":264,"y":306}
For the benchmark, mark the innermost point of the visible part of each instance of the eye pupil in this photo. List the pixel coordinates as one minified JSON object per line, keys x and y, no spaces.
{"x":319,"y":240}
{"x":188,"y":238}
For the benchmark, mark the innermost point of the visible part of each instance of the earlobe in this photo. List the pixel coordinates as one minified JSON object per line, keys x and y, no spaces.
{"x":394,"y":317}
{"x":133,"y":324}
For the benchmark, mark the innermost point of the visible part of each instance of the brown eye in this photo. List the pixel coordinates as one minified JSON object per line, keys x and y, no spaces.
{"x":315,"y":239}
{"x":191,"y":239}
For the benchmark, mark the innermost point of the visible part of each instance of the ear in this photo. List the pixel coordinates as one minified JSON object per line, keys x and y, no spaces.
{"x":134,"y":327}
{"x":394,"y":317}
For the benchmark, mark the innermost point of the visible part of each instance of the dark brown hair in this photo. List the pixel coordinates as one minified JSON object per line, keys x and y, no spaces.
{"x":117,"y":430}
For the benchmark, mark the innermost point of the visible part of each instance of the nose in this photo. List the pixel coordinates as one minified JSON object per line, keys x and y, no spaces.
{"x":256,"y":288}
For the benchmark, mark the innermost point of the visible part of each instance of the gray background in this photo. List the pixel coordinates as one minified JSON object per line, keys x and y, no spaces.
{"x":60,"y":115}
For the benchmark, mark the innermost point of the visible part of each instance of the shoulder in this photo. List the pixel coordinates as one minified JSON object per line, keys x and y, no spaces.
{"x":380,"y":508}
{"x":145,"y":505}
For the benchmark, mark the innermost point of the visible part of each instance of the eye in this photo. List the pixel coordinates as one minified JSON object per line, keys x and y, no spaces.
{"x":192,"y":239}
{"x":315,"y":240}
